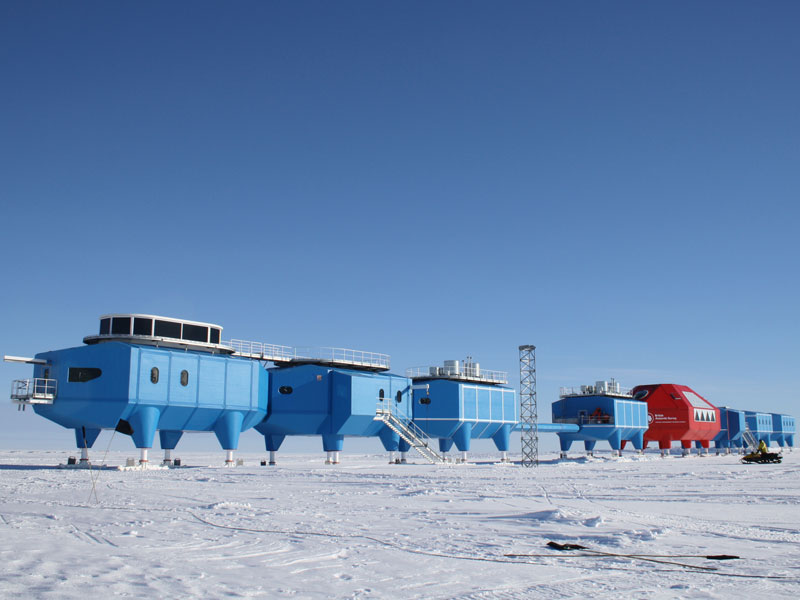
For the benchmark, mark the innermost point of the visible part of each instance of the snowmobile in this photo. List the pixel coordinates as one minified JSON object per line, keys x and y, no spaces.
{"x":762,"y":457}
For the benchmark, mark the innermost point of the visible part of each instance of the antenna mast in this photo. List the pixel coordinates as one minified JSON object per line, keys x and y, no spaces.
{"x":528,"y":411}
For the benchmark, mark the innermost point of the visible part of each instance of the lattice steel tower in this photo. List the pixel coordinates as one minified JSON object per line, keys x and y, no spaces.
{"x":528,"y":411}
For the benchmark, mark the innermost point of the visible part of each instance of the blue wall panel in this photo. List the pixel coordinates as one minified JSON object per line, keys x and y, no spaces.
{"x":484,"y":404}
{"x":469,"y":403}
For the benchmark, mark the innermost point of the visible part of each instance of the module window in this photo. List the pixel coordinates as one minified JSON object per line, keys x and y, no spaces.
{"x":168,"y":329}
{"x":142,"y":326}
{"x":195,"y":333}
{"x":83,"y":374}
{"x":121,"y":326}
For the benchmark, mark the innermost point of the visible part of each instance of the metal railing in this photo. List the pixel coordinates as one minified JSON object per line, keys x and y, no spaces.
{"x":408,"y":431}
{"x":344,"y":356}
{"x":749,"y":439}
{"x":590,"y":390}
{"x":463,"y":372}
{"x":34,"y":391}
{"x":277,"y":353}
{"x":261,"y":350}
{"x":588,"y":420}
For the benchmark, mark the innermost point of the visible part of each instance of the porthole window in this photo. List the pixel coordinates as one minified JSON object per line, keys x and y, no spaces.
{"x":154,"y":375}
{"x":425,"y":400}
{"x":184,"y":378}
{"x":380,"y":395}
{"x":399,"y":397}
{"x":640,"y":395}
{"x":285,"y":389}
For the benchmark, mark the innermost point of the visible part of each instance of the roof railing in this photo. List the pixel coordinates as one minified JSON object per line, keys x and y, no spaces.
{"x":261,"y":350}
{"x":344,"y":356}
{"x":461,"y":372}
{"x":326,"y":355}
{"x":593,"y":390}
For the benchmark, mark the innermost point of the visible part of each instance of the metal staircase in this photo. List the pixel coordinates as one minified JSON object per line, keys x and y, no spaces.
{"x":749,"y":439}
{"x":408,"y":432}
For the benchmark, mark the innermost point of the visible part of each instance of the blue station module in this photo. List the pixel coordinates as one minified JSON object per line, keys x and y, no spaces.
{"x":143,"y":374}
{"x":602,"y":412}
{"x":732,"y":426}
{"x":783,"y":430}
{"x":760,"y":425}
{"x":332,"y":402}
{"x":459,"y":402}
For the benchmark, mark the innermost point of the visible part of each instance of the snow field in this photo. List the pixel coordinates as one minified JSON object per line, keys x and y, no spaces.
{"x":367,"y":529}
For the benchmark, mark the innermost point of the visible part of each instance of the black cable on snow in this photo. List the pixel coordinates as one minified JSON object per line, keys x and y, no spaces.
{"x":508,"y":559}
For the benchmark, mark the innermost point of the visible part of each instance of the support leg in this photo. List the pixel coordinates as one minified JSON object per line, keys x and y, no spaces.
{"x":169,"y":439}
{"x":332,"y":444}
{"x":84,"y":439}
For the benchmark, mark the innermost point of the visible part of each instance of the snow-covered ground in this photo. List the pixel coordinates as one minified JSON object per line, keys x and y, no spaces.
{"x":369,"y":529}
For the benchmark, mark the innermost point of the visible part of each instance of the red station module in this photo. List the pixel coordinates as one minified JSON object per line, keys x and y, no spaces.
{"x":676,"y":412}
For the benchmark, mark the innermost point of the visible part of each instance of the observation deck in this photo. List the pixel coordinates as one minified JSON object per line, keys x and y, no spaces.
{"x":153,"y":330}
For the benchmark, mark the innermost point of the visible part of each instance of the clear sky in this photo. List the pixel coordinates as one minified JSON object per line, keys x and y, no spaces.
{"x":615,"y":182}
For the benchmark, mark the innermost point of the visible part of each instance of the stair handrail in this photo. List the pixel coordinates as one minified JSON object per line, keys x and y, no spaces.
{"x":749,"y":438}
{"x":408,"y":430}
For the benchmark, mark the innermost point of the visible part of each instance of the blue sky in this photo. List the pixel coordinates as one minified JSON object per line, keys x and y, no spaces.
{"x":615,"y":182}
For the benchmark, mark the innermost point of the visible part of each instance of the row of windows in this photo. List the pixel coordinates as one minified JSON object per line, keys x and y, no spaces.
{"x":705,"y":415}
{"x":287,"y":389}
{"x":158,"y":328}
{"x":84,"y":374}
{"x":154,"y":374}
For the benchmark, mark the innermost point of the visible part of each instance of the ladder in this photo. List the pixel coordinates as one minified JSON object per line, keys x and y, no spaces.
{"x":408,"y":431}
{"x":749,"y":439}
